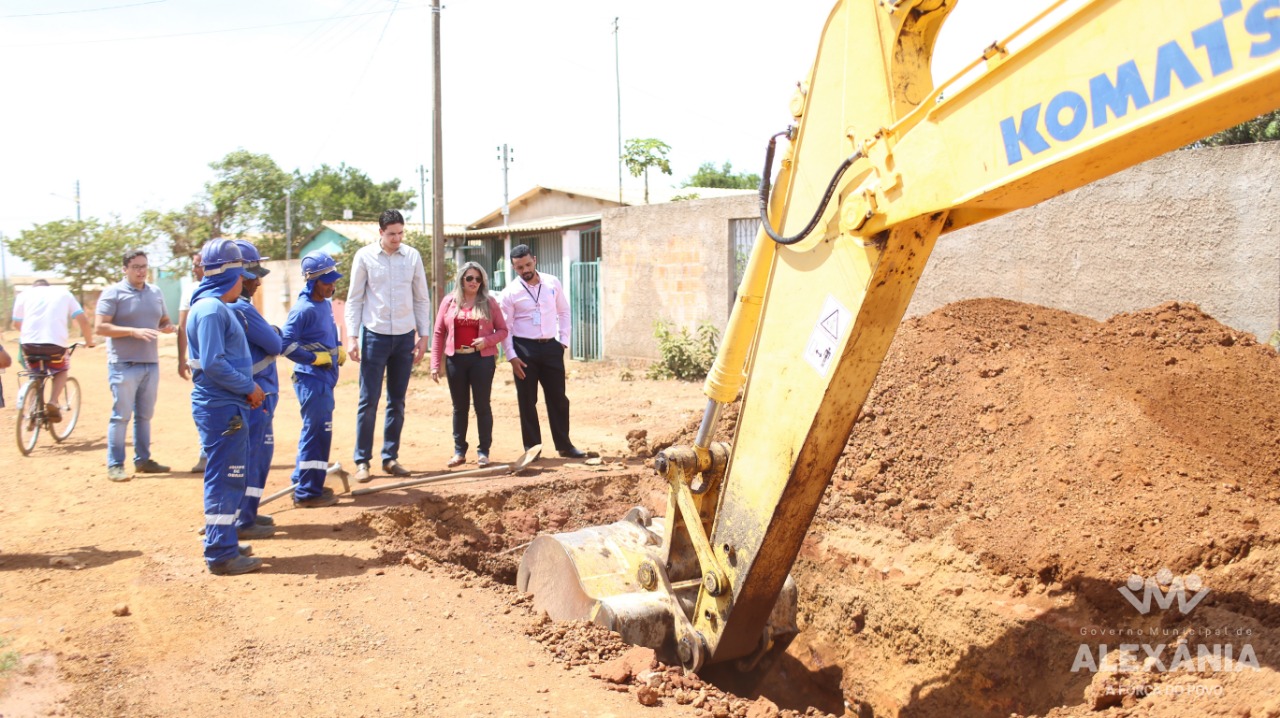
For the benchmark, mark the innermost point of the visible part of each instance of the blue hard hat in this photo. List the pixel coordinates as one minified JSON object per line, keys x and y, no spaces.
{"x":252,"y":260}
{"x":320,"y":266}
{"x":219,"y":255}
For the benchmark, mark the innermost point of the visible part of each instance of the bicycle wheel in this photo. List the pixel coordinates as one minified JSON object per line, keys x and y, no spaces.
{"x":69,"y":406}
{"x":30,"y":415}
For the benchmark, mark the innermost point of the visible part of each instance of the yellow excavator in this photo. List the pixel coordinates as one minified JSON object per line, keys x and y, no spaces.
{"x":879,"y":163}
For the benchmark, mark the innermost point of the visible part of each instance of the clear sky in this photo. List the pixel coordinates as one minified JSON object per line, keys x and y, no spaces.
{"x":135,"y":97}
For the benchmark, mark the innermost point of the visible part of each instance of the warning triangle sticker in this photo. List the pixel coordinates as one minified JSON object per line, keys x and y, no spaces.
{"x":831,"y":324}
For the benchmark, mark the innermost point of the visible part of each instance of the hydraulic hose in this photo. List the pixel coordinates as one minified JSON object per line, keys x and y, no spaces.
{"x":765,"y":188}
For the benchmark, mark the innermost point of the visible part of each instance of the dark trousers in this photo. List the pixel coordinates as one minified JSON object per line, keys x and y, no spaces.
{"x":392,"y":356}
{"x":543,"y":364}
{"x":471,"y":379}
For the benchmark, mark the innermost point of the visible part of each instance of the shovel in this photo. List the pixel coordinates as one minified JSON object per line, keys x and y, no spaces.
{"x":335,"y":471}
{"x":521,"y":463}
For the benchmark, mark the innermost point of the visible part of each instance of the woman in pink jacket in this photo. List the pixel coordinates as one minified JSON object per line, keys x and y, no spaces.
{"x":469,"y":329}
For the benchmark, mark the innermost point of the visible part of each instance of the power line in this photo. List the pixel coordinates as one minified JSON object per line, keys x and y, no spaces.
{"x":201,"y":32}
{"x":356,"y":86}
{"x":92,"y":9}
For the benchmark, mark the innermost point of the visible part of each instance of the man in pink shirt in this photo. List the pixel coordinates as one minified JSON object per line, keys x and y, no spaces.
{"x":537,"y":314}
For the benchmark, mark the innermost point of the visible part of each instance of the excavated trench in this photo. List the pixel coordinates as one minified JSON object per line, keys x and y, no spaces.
{"x":888,"y":627}
{"x":1012,"y":468}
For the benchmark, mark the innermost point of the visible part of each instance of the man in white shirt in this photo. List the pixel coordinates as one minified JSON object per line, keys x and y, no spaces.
{"x":388,"y":326}
{"x":41,"y":315}
{"x":184,"y":371}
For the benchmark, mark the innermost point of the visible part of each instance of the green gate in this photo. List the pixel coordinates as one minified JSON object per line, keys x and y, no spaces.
{"x":588,"y":328}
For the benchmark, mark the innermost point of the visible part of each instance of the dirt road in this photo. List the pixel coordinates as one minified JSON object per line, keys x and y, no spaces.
{"x":1029,"y":501}
{"x":329,"y":627}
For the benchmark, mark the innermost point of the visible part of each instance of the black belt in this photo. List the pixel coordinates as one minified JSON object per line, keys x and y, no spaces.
{"x":540,"y":341}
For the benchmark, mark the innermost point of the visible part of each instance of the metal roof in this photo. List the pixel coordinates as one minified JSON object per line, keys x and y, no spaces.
{"x":542,"y":224}
{"x":630,"y":196}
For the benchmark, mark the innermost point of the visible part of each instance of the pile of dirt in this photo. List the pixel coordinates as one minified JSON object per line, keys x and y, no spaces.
{"x":1012,"y":467}
{"x":1062,"y":448}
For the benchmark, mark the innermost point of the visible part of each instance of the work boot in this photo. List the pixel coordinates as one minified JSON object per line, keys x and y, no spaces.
{"x":264,"y":520}
{"x":116,"y":473}
{"x":150,"y":467}
{"x":362,"y":472}
{"x":52,"y":413}
{"x":199,"y":467}
{"x":235,"y":566}
{"x":394,"y":468}
{"x":255,"y":532}
{"x":326,"y":498}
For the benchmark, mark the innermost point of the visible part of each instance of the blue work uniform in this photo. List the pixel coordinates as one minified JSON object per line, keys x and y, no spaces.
{"x":264,"y":346}
{"x":221,"y":371}
{"x":309,"y":331}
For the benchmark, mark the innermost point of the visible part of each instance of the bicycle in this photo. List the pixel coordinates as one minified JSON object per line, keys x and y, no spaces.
{"x":32,"y":412}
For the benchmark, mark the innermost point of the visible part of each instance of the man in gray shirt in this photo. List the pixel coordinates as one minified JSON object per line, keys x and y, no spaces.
{"x":132,"y":316}
{"x":388,"y":298}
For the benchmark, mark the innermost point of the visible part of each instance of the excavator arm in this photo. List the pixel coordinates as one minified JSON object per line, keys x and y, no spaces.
{"x":879,"y":164}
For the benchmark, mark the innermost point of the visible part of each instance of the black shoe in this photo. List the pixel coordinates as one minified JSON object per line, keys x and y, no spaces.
{"x":235,"y":566}
{"x":576,"y":453}
{"x":326,"y":498}
{"x":246,"y":549}
{"x":264,"y":520}
{"x":255,"y":531}
{"x":150,"y":466}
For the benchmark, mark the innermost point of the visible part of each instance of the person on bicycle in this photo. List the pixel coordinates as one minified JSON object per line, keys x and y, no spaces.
{"x":41,"y":315}
{"x":311,"y":342}
{"x":222,"y":397}
{"x":264,"y":347}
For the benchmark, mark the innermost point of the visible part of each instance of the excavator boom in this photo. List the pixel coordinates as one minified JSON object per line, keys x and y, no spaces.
{"x":1113,"y":83}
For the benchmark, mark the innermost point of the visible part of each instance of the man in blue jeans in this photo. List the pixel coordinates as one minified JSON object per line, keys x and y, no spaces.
{"x":132,"y":316}
{"x":388,"y":325}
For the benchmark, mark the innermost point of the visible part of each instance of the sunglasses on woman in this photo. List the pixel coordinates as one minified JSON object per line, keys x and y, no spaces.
{"x":471,"y":278}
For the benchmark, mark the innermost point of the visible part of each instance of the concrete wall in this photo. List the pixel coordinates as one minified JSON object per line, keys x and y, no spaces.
{"x":667,"y":262}
{"x":1194,"y":225}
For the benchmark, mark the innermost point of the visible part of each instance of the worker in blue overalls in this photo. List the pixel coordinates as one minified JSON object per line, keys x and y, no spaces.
{"x":264,"y":346}
{"x":311,"y":341}
{"x":222,"y":396}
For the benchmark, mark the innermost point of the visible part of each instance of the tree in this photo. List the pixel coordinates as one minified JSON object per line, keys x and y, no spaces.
{"x":185,"y":230}
{"x":83,"y":252}
{"x":1263,"y":128}
{"x":327,"y":192}
{"x":247,"y":194}
{"x":248,"y":190}
{"x":641,"y":154}
{"x":708,"y":176}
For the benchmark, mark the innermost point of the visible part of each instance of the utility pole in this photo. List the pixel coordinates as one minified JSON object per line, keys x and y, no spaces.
{"x":437,"y":164}
{"x":506,"y":154}
{"x":77,"y":201}
{"x":422,"y":195}
{"x":617,"y":77}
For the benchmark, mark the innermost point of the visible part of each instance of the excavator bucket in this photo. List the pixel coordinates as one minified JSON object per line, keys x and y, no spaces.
{"x":616,"y":577}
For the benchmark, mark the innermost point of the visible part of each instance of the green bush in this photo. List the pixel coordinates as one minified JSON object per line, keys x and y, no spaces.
{"x":684,"y":356}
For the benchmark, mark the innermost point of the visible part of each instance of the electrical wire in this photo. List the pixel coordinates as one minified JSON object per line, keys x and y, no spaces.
{"x":74,"y":12}
{"x":196,"y":32}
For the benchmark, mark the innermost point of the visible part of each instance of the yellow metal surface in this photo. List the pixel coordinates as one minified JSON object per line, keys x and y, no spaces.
{"x":1115,"y":83}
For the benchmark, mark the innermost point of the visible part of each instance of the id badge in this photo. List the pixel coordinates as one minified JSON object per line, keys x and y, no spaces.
{"x":537,"y":317}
